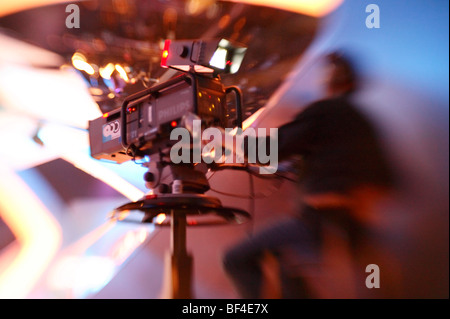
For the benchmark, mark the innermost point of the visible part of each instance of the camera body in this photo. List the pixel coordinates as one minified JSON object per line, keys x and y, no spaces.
{"x":143,"y":124}
{"x":145,"y":120}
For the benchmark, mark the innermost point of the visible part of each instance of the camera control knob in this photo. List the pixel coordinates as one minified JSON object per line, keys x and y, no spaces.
{"x":182,"y":51}
{"x":149,"y":177}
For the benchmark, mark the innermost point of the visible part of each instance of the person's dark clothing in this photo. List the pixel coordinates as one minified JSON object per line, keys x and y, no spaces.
{"x":339,"y":152}
{"x":338,"y":145}
{"x":296,"y":235}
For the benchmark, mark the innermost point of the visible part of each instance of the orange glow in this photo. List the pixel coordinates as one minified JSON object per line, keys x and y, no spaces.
{"x":119,"y":215}
{"x":105,"y":115}
{"x":122,"y":72}
{"x":9,"y":7}
{"x":160,"y":218}
{"x":315,"y":8}
{"x":79,"y":62}
{"x":38,"y":236}
{"x":251,"y":119}
{"x":107,"y":71}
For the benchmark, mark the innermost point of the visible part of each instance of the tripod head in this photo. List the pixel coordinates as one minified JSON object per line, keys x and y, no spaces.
{"x":178,"y":189}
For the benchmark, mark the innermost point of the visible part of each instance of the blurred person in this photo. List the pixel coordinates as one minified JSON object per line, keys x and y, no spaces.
{"x":342,"y":172}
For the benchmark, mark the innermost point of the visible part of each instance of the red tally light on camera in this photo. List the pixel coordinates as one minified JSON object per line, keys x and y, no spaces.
{"x":165,"y":54}
{"x":203,"y":56}
{"x":173,"y":123}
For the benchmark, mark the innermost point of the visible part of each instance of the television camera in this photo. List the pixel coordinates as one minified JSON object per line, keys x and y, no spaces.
{"x":143,"y":124}
{"x":141,"y":128}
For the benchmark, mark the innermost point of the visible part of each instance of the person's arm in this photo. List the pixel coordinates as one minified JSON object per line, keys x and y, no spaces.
{"x":293,"y":138}
{"x":300,"y":135}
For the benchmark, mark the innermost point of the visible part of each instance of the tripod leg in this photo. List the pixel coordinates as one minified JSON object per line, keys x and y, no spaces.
{"x":181,"y":262}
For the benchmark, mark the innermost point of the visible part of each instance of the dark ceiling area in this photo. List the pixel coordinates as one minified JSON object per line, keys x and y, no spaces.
{"x":131,"y":32}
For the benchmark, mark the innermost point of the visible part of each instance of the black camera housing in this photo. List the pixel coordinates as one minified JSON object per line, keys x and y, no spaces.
{"x":143,"y":124}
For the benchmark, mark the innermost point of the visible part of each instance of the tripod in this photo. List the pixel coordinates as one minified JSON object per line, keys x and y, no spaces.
{"x":180,"y":204}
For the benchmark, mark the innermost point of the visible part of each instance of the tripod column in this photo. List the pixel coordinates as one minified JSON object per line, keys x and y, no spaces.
{"x":181,"y":262}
